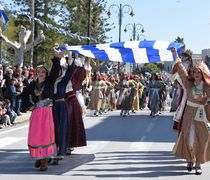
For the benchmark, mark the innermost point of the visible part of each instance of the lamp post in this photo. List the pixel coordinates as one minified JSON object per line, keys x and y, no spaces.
{"x":135,"y":28}
{"x":122,"y":9}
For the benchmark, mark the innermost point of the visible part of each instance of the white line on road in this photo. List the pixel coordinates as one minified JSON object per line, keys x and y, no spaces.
{"x":9,"y":140}
{"x":142,"y":138}
{"x":15,"y":129}
{"x":149,"y":128}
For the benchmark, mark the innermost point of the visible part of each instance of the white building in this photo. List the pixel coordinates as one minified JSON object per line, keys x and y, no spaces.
{"x":206,"y":56}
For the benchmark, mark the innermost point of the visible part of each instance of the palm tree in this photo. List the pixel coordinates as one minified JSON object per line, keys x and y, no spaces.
{"x":179,"y":40}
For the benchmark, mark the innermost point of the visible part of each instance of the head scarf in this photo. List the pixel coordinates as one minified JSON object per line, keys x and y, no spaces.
{"x":199,"y":64}
{"x":43,"y":67}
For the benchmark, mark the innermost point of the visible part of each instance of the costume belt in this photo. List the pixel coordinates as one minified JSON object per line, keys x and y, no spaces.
{"x":70,"y":95}
{"x":44,"y":103}
{"x":60,"y":100}
{"x":200,"y":114}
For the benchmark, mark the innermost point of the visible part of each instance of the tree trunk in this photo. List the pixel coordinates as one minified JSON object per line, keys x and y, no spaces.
{"x":32,"y":31}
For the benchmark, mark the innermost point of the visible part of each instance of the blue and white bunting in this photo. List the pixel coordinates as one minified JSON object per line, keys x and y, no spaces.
{"x":129,"y":51}
{"x":3,"y":16}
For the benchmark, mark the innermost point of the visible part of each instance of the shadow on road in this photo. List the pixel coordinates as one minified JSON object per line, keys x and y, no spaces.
{"x":17,"y":161}
{"x":134,"y":164}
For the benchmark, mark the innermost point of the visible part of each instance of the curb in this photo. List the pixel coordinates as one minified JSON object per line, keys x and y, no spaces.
{"x":25,"y":117}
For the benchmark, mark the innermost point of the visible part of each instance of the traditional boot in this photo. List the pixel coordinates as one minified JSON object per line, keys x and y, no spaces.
{"x":44,"y":164}
{"x":37,"y":163}
{"x":198,"y":170}
{"x":189,"y":166}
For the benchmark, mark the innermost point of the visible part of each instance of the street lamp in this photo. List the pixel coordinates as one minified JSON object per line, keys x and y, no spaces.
{"x":135,"y":28}
{"x":141,"y":37}
{"x":122,"y":9}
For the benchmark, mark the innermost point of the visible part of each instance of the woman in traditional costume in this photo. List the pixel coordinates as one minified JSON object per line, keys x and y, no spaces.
{"x":41,"y":136}
{"x":97,"y":93}
{"x":76,"y":136}
{"x":125,"y":98}
{"x":193,"y":143}
{"x":179,"y":92}
{"x":153,"y":89}
{"x":60,"y":106}
{"x":139,"y":87}
{"x":112,"y":97}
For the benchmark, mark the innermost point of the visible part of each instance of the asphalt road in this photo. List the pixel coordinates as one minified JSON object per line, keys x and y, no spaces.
{"x":133,"y":147}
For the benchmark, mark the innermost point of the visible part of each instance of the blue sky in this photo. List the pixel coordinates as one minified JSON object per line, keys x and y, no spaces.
{"x":167,"y":19}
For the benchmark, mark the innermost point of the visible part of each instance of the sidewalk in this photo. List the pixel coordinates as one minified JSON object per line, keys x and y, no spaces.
{"x":25,"y":117}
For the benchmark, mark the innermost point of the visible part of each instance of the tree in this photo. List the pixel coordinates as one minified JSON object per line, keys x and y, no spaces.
{"x":64,"y":14}
{"x":46,"y":11}
{"x":181,"y":40}
{"x":150,"y":67}
{"x":76,"y":21}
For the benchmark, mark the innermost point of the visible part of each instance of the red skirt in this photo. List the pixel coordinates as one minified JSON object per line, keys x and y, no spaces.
{"x":41,"y":136}
{"x":76,"y":133}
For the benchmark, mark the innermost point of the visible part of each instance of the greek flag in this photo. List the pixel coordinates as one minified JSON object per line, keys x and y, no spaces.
{"x":129,"y":51}
{"x":3,"y":17}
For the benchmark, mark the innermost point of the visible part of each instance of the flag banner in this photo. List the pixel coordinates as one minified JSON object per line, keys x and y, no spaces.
{"x":129,"y":51}
{"x":3,"y":16}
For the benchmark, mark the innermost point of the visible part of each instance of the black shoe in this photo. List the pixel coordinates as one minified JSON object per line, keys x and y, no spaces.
{"x":198,"y":170}
{"x":69,"y":150}
{"x":55,"y":161}
{"x":37,"y":163}
{"x":189,"y":166}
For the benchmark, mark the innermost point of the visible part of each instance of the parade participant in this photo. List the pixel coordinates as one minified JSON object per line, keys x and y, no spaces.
{"x":162,"y":93}
{"x":41,"y":139}
{"x":143,"y":97}
{"x":97,"y":93}
{"x":76,"y":136}
{"x":60,"y":106}
{"x":138,"y":93}
{"x":104,"y":104}
{"x":124,"y":101}
{"x":112,"y":97}
{"x":193,"y":141}
{"x":180,"y":94}
{"x":153,"y":89}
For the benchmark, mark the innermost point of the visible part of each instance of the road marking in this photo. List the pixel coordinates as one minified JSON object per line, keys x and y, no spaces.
{"x":142,"y":138}
{"x":15,"y":129}
{"x":9,"y":140}
{"x":149,"y":128}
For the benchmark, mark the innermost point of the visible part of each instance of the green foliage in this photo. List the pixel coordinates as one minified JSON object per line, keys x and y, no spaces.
{"x":77,"y":20}
{"x":11,"y":32}
{"x":65,"y":14}
{"x":179,"y":40}
{"x":150,"y":67}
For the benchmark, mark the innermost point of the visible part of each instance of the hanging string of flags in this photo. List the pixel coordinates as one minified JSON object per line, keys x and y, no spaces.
{"x":4,"y":19}
{"x":129,"y":51}
{"x":59,"y":30}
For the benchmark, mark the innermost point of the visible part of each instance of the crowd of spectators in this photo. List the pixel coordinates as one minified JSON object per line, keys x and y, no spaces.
{"x":12,"y":81}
